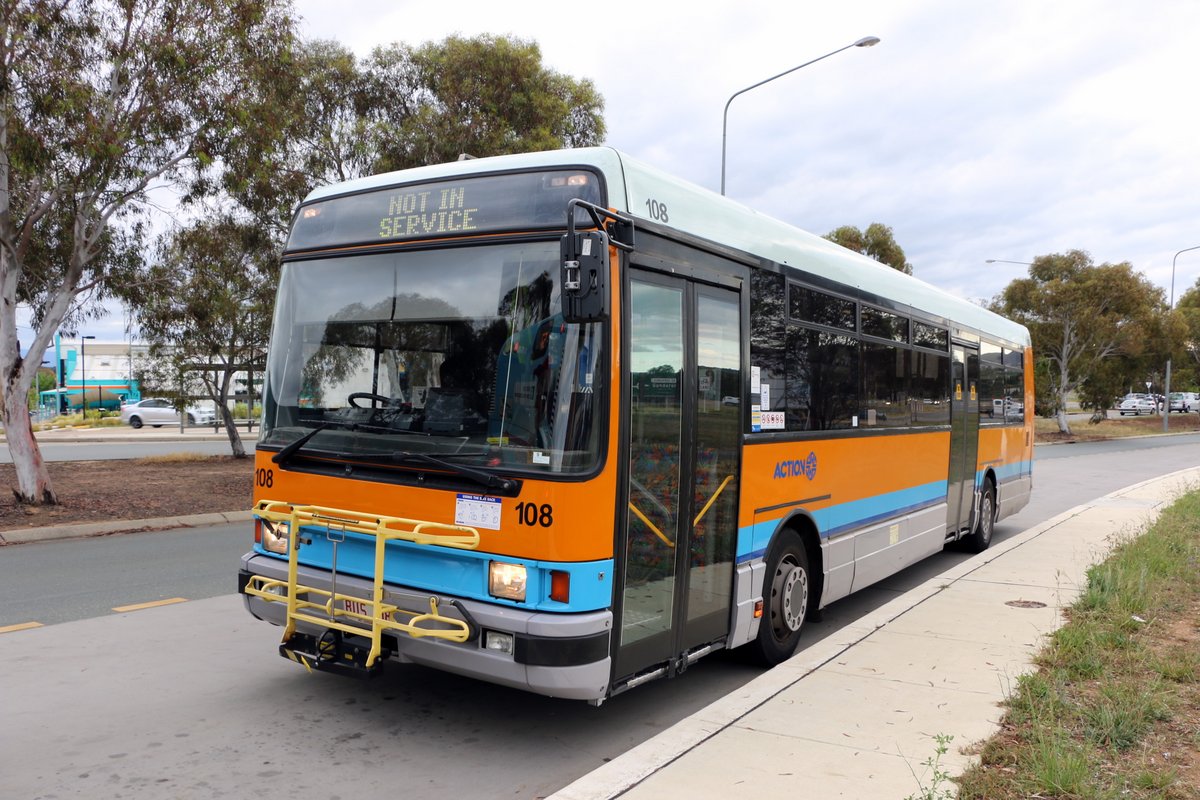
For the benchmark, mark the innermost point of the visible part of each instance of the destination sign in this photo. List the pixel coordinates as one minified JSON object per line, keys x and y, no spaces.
{"x":446,"y":208}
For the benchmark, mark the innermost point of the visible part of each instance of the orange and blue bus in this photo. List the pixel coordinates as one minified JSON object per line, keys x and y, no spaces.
{"x":565,"y":423}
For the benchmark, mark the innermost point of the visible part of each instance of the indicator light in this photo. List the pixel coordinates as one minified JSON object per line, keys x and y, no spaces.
{"x":560,"y":586}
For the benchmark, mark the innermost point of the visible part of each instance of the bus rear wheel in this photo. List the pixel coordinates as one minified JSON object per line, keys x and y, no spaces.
{"x":786,"y":590}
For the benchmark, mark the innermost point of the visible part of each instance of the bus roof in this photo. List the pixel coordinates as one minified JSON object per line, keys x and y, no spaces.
{"x":633,"y":186}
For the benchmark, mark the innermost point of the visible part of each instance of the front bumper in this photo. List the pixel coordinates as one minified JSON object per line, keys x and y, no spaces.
{"x":559,"y":655}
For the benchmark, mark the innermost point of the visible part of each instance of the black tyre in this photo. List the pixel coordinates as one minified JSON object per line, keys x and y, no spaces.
{"x":191,"y":420}
{"x":978,"y":540}
{"x":787,"y":589}
{"x":135,"y":422}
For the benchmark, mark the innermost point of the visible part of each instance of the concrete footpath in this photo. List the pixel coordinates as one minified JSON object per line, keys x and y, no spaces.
{"x":855,"y":715}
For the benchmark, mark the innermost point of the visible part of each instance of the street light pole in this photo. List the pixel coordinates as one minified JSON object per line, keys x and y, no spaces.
{"x":866,"y":41}
{"x":1167,"y":382}
{"x":83,"y":370}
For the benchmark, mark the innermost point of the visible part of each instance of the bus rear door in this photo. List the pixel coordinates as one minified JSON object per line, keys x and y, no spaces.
{"x":964,"y":436}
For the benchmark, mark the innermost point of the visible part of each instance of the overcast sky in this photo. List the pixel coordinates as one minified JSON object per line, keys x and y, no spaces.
{"x":977,"y":131}
{"x":1001,"y":130}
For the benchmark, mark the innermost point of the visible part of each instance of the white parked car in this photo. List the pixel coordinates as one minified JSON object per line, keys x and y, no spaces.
{"x":156,"y":412}
{"x":1137,"y":404}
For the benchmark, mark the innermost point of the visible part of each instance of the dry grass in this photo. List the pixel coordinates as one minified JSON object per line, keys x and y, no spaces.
{"x":178,"y":458}
{"x":1046,"y":430}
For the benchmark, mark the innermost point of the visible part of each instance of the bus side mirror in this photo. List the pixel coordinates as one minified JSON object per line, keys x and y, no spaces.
{"x":584,"y":276}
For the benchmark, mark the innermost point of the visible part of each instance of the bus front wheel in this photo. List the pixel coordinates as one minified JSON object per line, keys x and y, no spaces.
{"x":786,"y":590}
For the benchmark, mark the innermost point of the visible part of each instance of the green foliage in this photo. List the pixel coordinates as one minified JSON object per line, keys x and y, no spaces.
{"x":207,"y":302}
{"x":940,"y":786}
{"x":1044,"y":399}
{"x":1181,"y":665}
{"x":1187,"y":311}
{"x":877,"y":241}
{"x":43,"y":382}
{"x":336,"y":117}
{"x":1122,"y":714}
{"x":102,"y":100}
{"x":1080,"y":315}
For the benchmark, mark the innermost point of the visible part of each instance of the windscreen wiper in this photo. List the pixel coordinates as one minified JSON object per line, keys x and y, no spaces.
{"x":482,"y":477}
{"x":293,"y":447}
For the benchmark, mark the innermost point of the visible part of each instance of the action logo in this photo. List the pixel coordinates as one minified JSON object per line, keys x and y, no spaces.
{"x":794,"y":468}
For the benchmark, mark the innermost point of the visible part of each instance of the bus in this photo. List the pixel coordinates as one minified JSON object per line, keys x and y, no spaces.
{"x":562,"y":422}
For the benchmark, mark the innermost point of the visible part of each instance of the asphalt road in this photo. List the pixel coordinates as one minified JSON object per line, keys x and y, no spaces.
{"x":191,"y":699}
{"x":116,"y":443}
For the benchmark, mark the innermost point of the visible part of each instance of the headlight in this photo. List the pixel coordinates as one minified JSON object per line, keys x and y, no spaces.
{"x":274,"y":537}
{"x":506,"y":580}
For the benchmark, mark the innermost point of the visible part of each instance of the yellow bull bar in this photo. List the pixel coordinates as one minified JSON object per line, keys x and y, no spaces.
{"x":331,"y":610}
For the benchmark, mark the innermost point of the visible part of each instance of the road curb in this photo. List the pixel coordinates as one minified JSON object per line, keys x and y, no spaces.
{"x":52,"y":532}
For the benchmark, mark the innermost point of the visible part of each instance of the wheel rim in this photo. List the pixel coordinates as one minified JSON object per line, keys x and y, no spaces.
{"x":987,"y":519}
{"x":789,"y":597}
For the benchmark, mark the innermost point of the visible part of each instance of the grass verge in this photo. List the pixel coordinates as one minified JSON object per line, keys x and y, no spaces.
{"x":1046,"y":430}
{"x":1113,"y":710}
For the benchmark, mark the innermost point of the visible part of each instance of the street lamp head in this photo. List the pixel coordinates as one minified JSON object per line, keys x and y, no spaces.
{"x":866,"y":41}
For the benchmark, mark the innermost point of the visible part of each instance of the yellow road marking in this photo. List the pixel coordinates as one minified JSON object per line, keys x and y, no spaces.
{"x":24,"y":626}
{"x":152,"y":604}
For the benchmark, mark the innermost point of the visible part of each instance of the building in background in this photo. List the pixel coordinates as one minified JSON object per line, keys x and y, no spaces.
{"x":103,"y":373}
{"x":97,"y":372}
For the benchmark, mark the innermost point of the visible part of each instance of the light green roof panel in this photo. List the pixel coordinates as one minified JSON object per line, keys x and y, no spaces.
{"x":639,"y":189}
{"x":704,"y":213}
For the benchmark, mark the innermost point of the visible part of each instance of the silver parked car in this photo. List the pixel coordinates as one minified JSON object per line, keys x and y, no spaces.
{"x":156,"y":412}
{"x":1137,"y":404}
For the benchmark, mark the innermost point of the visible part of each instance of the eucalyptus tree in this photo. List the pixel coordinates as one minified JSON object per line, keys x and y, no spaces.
{"x":1187,"y":312}
{"x":1080,"y":314}
{"x":336,"y":116}
{"x":100,"y":102}
{"x":204,"y":306}
{"x":878,"y":241}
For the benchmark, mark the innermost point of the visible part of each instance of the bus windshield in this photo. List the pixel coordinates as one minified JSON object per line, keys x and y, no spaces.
{"x":457,"y":353}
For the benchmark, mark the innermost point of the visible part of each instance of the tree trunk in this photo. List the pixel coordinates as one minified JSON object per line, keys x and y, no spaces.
{"x":1064,"y":425}
{"x":235,"y":439}
{"x":33,"y":479}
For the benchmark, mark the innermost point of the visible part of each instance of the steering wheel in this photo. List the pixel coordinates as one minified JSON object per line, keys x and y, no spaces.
{"x":387,"y":402}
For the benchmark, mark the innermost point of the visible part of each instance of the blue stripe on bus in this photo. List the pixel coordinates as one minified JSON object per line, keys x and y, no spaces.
{"x":1008,"y":472}
{"x":459,"y":573}
{"x":754,"y":540}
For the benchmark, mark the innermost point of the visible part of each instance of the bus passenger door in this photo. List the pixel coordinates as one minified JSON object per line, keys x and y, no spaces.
{"x":964,"y":436}
{"x":680,"y":503}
